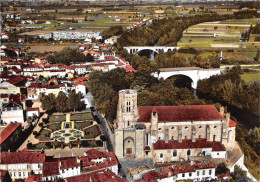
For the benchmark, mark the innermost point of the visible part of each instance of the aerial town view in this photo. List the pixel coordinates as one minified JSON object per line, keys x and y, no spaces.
{"x":130,"y":90}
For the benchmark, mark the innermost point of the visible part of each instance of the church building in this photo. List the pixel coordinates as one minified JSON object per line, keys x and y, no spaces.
{"x":171,"y":133}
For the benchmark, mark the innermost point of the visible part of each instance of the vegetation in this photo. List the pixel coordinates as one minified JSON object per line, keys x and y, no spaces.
{"x":231,"y":89}
{"x":112,"y":31}
{"x":68,"y":56}
{"x":62,"y":103}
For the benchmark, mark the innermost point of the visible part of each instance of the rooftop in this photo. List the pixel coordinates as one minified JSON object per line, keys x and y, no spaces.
{"x":180,"y":113}
{"x":188,"y":144}
{"x":8,"y":131}
{"x":23,"y":157}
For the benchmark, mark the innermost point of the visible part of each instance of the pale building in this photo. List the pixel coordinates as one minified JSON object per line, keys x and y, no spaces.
{"x":21,"y":164}
{"x":12,"y":113}
{"x":8,"y":88}
{"x":171,"y":133}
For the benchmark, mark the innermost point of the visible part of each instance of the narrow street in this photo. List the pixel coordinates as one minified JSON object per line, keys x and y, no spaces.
{"x":106,"y":131}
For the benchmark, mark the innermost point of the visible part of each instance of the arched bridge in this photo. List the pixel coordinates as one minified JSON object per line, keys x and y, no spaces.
{"x":157,"y":49}
{"x":194,"y":73}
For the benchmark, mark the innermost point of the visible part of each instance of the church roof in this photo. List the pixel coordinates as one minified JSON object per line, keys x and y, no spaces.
{"x":188,"y":144}
{"x":180,"y":113}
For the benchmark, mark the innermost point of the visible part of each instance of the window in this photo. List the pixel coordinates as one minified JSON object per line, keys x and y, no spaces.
{"x":214,"y":138}
{"x":198,"y":173}
{"x":19,"y":174}
{"x":217,"y":153}
{"x":199,"y":136}
{"x":190,"y":174}
{"x":188,"y":152}
{"x":128,"y":123}
{"x":209,"y":172}
{"x":185,"y":137}
{"x":159,"y":138}
{"x":215,"y":126}
{"x":159,"y":128}
{"x":203,"y":172}
{"x":200,"y":126}
{"x":173,"y":128}
{"x":183,"y":175}
{"x":128,"y":141}
{"x":203,"y":153}
{"x":161,"y":155}
{"x":172,"y":138}
{"x":186,"y":127}
{"x":174,"y":153}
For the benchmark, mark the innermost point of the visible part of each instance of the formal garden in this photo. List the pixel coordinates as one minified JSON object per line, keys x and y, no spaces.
{"x":71,"y":130}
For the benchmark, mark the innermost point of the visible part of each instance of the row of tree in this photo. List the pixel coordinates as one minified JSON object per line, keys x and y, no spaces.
{"x":67,"y":56}
{"x":231,"y":89}
{"x":62,"y":103}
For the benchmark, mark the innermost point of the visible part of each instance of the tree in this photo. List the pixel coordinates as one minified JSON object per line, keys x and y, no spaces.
{"x":61,"y":102}
{"x":89,"y":58}
{"x":68,"y":56}
{"x":74,"y":101}
{"x":48,"y":102}
{"x":257,"y":55}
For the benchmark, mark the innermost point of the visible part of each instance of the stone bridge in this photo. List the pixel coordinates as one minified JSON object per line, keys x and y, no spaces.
{"x":157,"y":49}
{"x":194,"y":73}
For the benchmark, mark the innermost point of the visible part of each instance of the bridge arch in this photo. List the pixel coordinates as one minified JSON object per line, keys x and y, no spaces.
{"x":180,"y":79}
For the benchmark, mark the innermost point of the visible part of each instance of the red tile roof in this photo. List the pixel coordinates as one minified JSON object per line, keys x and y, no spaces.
{"x":16,"y":80}
{"x":129,"y":68}
{"x":188,"y":144}
{"x":147,"y":148}
{"x":32,"y":109}
{"x":34,"y":178}
{"x":24,"y":156}
{"x":8,"y":131}
{"x":88,"y":164}
{"x":17,"y":98}
{"x":69,"y":162}
{"x":180,"y":113}
{"x":50,"y":168}
{"x":164,"y":171}
{"x":221,"y":176}
{"x":3,"y":174}
{"x":100,"y":176}
{"x":232,"y":123}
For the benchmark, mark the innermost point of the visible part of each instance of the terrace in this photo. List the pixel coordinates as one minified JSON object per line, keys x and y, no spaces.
{"x":72,"y":130}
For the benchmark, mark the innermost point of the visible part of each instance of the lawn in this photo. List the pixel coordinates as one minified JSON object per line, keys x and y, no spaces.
{"x":251,"y":77}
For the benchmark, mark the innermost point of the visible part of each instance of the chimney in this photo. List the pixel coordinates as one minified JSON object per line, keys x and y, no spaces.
{"x":221,"y":111}
{"x":179,"y":135}
{"x":193,"y":135}
{"x":227,"y":119}
{"x":167,"y":136}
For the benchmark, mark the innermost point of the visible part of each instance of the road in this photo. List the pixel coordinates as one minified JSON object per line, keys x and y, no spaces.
{"x":31,"y":137}
{"x":106,"y":131}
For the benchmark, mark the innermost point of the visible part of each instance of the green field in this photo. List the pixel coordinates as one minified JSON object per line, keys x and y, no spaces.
{"x":250,"y":77}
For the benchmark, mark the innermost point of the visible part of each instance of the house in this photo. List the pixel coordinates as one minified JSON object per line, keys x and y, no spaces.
{"x":32,"y":112}
{"x":8,"y":88}
{"x":21,"y":164}
{"x":21,"y":40}
{"x":5,"y":177}
{"x":12,"y":113}
{"x":195,"y":171}
{"x":112,"y":40}
{"x":10,"y":135}
{"x":60,"y":168}
{"x":80,"y":87}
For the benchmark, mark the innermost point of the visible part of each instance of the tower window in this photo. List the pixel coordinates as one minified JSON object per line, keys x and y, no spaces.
{"x":160,"y":129}
{"x":186,"y":127}
{"x":200,"y":126}
{"x":188,"y":152}
{"x":209,"y":172}
{"x":128,"y":123}
{"x":172,"y":138}
{"x":215,"y":126}
{"x":174,"y":153}
{"x":172,"y":128}
{"x":199,"y":136}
